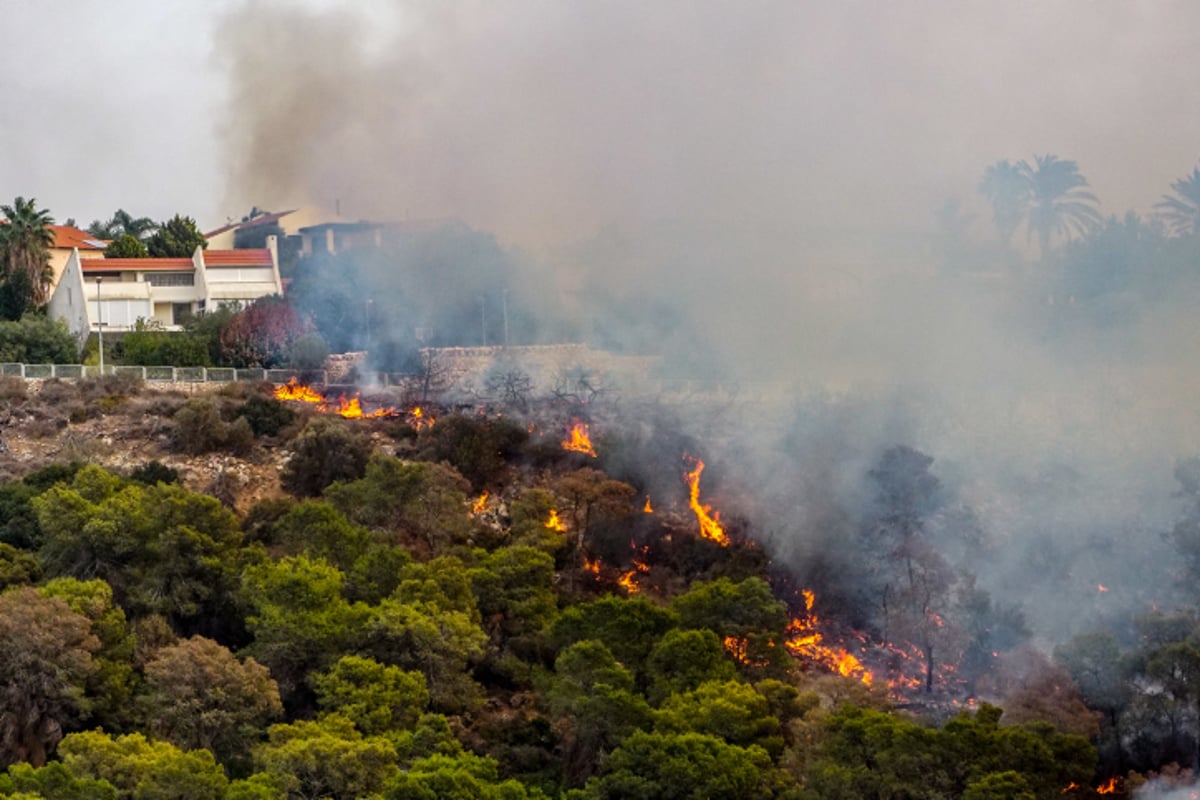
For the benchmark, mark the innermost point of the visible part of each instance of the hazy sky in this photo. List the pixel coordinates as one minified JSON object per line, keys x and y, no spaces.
{"x":545,"y":120}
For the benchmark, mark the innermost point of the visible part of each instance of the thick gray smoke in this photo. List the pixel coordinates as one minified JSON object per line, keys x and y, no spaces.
{"x":754,"y":188}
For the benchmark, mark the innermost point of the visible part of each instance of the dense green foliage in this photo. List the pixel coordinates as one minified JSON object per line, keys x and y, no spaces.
{"x":37,"y":339}
{"x":178,"y":237}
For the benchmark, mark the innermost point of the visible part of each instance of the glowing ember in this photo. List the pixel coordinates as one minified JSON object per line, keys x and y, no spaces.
{"x":649,"y":509}
{"x":710,"y":525}
{"x":591,"y":566}
{"x":1070,"y":787}
{"x":1100,"y":587}
{"x":419,"y":419}
{"x":478,"y":506}
{"x":627,"y":580}
{"x":578,"y":439}
{"x":294,"y":390}
{"x":554,"y":523}
{"x":1108,"y":787}
{"x":805,"y":641}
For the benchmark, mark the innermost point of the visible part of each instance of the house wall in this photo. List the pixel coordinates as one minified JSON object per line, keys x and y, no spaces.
{"x":68,"y":302}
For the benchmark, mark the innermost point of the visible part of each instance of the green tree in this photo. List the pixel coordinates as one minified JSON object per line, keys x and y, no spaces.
{"x":122,"y":223}
{"x":745,"y":615}
{"x":378,"y":698}
{"x":37,"y":339}
{"x":431,"y":636}
{"x":150,"y":345}
{"x":144,"y":770}
{"x":111,"y":686}
{"x":17,"y":567}
{"x":464,"y":776}
{"x":423,"y":504}
{"x":730,"y":710}
{"x":1059,"y":202}
{"x":628,"y":626}
{"x":45,"y":661}
{"x":475,"y":446}
{"x":25,"y":243}
{"x":199,"y":695}
{"x":684,"y":659}
{"x":1181,"y":212}
{"x":514,"y":589}
{"x":316,"y":529}
{"x":666,"y":766}
{"x":178,"y":237}
{"x":53,"y":780}
{"x":162,"y":548}
{"x":327,"y":758}
{"x":126,"y":246}
{"x":298,"y":617}
{"x":597,"y":695}
{"x":325,"y":451}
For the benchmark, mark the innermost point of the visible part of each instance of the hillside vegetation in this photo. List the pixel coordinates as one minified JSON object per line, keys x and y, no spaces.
{"x":227,"y":596}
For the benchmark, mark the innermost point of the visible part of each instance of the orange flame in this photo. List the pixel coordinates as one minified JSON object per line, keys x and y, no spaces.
{"x":1100,"y":587}
{"x":591,"y":566}
{"x":736,"y":647}
{"x":294,"y":390}
{"x":627,"y":580}
{"x":1108,"y":787}
{"x":578,"y":440}
{"x":554,"y":523}
{"x":480,"y":504}
{"x":710,"y":525}
{"x":805,"y":641}
{"x":649,"y":509}
{"x":1070,"y":787}
{"x":419,"y":419}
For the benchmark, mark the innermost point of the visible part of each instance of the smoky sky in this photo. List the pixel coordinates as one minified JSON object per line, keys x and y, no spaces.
{"x":545,"y":121}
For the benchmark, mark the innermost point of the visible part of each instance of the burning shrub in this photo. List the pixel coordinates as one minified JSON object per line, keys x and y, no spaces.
{"x":200,"y":429}
{"x":324,"y":452}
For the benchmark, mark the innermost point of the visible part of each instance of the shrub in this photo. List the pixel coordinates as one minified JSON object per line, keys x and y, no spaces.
{"x":12,"y":388}
{"x":200,"y":429}
{"x":149,"y":345}
{"x":37,"y":339}
{"x":266,"y":415}
{"x":309,"y":352}
{"x":325,"y":451}
{"x":154,"y":472}
{"x":475,"y":447}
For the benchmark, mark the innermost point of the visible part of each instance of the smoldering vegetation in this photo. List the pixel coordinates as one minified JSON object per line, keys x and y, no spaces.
{"x":733,"y":192}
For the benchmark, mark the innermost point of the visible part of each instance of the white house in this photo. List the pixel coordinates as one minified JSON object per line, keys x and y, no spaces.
{"x":117,"y":292}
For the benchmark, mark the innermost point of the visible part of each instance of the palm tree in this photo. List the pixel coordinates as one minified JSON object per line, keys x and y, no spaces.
{"x":1059,"y":203}
{"x":123,"y":222}
{"x":25,"y":244}
{"x":1006,"y":187}
{"x":1181,"y":213}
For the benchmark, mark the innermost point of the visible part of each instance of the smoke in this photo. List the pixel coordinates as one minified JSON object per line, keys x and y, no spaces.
{"x":753,"y":190}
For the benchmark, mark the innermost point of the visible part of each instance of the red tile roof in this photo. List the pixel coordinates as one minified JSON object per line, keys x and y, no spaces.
{"x":238,"y":258}
{"x":66,"y":237}
{"x":138,"y":264}
{"x":261,"y":219}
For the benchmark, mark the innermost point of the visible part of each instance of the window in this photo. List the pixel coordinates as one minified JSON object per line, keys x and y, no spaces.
{"x":171,"y":278}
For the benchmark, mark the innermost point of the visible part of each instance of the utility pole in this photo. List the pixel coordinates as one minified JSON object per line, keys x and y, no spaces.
{"x":504,"y":297}
{"x":100,"y":322}
{"x":368,"y":319}
{"x":483,"y":319}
